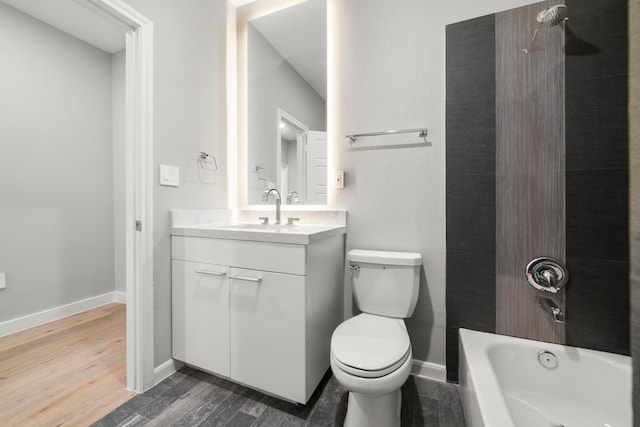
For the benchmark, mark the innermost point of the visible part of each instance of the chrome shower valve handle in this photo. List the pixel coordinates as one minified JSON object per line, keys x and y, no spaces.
{"x":547,"y":274}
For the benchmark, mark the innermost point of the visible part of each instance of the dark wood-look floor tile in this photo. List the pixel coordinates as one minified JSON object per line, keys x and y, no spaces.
{"x":183,"y":406}
{"x":450,"y":410}
{"x":427,"y":414}
{"x":290,"y":420}
{"x":135,"y":420}
{"x":158,"y":404}
{"x":325,"y":411}
{"x":254,"y":407}
{"x":134,"y":405}
{"x":426,"y":387}
{"x":197,"y":416}
{"x":193,"y":398}
{"x":409,"y":402}
{"x":158,"y":389}
{"x":211,"y":405}
{"x":118,"y":416}
{"x":270,"y":417}
{"x":241,"y":419}
{"x":227,"y":411}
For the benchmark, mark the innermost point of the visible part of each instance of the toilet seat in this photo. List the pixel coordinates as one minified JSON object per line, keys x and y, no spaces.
{"x":370,"y":346}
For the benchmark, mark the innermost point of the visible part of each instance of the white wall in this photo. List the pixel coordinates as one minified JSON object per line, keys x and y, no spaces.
{"x":389,"y":73}
{"x":189,"y":117}
{"x":274,"y":83}
{"x":56,"y":183}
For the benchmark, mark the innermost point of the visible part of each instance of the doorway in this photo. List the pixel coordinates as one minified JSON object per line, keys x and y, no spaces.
{"x":136,"y":229}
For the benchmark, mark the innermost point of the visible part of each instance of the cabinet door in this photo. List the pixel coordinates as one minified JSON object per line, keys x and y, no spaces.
{"x":200,"y":315}
{"x":268,"y":331}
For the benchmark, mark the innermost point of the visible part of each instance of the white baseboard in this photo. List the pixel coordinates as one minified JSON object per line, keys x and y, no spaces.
{"x":120,"y":297}
{"x":433,"y":371}
{"x":36,"y":319}
{"x":166,"y":369}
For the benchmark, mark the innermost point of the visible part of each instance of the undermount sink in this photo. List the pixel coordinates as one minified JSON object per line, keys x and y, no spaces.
{"x":260,"y":226}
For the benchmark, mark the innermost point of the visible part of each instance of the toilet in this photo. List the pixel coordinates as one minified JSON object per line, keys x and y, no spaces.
{"x":371,"y":352}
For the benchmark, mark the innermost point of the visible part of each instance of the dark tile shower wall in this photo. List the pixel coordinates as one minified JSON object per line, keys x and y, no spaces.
{"x":597,"y":146}
{"x":471,"y":181}
{"x":596,"y":177}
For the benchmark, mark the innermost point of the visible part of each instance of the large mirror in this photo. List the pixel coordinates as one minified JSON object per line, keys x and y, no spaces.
{"x":286,"y":87}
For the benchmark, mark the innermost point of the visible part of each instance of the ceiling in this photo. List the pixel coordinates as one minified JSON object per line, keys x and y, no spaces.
{"x":79,"y":19}
{"x":299,"y":34}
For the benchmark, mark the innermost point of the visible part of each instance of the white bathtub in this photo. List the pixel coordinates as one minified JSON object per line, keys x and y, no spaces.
{"x":504,"y":384}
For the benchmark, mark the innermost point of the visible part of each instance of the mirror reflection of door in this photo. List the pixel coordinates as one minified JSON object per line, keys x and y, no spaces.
{"x":302,"y":162}
{"x":292,"y":138}
{"x":316,"y":168}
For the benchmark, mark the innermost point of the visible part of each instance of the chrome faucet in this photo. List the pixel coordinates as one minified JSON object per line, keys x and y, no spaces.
{"x":265,"y":198}
{"x":552,"y":308}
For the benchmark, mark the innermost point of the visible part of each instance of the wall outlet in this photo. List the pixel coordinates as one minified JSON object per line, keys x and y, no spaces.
{"x":169,"y":175}
{"x":338,"y":180}
{"x":3,"y":280}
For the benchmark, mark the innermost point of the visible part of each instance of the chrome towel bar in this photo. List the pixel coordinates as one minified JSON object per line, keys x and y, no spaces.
{"x":422,"y":133}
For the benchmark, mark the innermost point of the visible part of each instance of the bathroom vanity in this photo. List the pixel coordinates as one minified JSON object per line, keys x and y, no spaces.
{"x":258,"y":304}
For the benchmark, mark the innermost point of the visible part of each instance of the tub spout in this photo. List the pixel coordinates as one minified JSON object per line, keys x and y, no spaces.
{"x":551,"y":307}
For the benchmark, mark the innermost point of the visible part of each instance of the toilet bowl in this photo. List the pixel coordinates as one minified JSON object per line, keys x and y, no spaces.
{"x":371,"y":357}
{"x":371,"y":353}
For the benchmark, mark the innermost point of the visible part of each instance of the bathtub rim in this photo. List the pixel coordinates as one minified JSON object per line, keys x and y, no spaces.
{"x":490,"y":404}
{"x":492,"y":399}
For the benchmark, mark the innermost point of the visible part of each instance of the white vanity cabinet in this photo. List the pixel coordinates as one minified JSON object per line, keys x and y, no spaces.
{"x":200,"y":315}
{"x":259,"y":313}
{"x":268,"y":330}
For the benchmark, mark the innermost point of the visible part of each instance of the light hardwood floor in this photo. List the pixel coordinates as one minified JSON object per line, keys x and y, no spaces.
{"x":70,"y":372}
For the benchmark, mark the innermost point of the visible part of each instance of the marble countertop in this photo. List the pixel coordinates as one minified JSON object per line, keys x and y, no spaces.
{"x":301,"y":234}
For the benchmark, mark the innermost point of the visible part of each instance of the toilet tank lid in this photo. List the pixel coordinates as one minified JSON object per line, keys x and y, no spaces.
{"x":384,"y":257}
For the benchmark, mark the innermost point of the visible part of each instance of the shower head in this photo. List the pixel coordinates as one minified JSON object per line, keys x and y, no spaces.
{"x":553,"y":16}
{"x":549,"y":18}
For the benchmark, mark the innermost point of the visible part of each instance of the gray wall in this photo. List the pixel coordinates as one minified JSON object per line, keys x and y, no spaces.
{"x":189,"y":117}
{"x":388,"y":73}
{"x":56,"y":182}
{"x":118,"y":62}
{"x":273,"y":84}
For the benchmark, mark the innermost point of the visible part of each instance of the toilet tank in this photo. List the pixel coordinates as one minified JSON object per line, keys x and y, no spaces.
{"x":385,"y":283}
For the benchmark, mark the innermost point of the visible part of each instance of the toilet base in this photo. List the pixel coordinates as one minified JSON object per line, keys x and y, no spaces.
{"x":364,"y":410}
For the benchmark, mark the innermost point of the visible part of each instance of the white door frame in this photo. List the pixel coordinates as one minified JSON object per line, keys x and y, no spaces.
{"x":138,"y":191}
{"x":283,"y":115}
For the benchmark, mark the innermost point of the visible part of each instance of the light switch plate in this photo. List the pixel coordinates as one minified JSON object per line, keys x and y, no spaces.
{"x":3,"y":280}
{"x":338,"y":180}
{"x":169,"y":175}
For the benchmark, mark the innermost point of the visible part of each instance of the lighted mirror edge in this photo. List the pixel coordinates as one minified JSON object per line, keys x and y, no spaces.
{"x":243,"y":14}
{"x":232,"y":113}
{"x":331,"y":148}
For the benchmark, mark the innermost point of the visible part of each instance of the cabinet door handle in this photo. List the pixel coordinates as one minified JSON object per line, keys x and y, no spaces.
{"x":248,"y":279}
{"x":211,"y":273}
